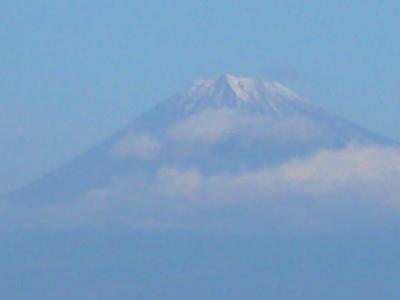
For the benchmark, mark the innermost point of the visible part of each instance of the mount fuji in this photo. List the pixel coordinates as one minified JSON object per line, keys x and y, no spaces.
{"x":230,"y":189}
{"x":227,"y":125}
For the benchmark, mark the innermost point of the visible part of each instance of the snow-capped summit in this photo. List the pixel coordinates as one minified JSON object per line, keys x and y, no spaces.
{"x":243,"y":93}
{"x":243,"y":88}
{"x":250,"y":89}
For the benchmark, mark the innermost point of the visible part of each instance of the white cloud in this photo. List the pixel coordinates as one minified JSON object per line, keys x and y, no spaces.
{"x":178,"y":183}
{"x":354,"y":187}
{"x":317,"y":191}
{"x":207,"y":127}
{"x":354,"y":166}
{"x":329,"y":170}
{"x":137,"y":146}
{"x":214,"y":126}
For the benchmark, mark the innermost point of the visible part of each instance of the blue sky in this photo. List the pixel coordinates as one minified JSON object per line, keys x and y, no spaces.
{"x":73,"y":72}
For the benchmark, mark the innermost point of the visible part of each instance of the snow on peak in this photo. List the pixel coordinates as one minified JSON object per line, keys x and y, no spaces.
{"x":243,"y":88}
{"x":256,"y":89}
{"x":239,"y":93}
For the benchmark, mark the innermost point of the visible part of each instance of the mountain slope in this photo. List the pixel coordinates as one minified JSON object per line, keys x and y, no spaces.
{"x":215,"y":126}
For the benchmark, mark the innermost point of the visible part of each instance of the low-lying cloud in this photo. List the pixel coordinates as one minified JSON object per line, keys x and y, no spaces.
{"x":214,"y":126}
{"x":353,"y":187}
{"x":138,"y":146}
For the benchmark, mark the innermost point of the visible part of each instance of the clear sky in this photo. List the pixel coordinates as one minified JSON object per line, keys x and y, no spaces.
{"x":72,"y":72}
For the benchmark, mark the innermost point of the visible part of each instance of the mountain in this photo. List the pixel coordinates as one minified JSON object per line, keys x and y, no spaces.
{"x":215,"y":126}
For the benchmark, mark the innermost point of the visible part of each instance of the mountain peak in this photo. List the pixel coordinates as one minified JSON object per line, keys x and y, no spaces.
{"x":242,"y":88}
{"x":244,"y":94}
